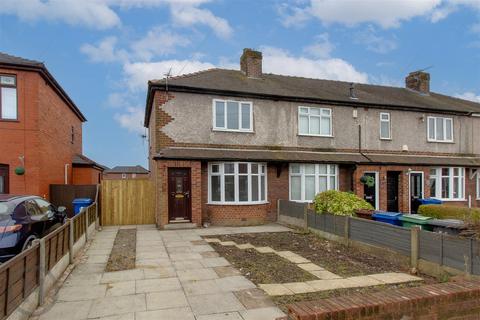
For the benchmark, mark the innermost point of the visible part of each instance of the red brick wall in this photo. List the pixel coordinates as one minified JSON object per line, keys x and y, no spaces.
{"x":162,"y":189}
{"x":86,"y":175}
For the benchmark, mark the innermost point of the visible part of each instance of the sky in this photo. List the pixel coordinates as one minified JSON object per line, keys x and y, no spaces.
{"x":103,"y":52}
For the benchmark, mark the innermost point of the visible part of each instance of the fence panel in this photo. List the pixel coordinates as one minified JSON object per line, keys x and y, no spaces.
{"x":127,"y":202}
{"x":64,"y":194}
{"x":79,"y":225}
{"x":456,"y":252}
{"x":339,"y":225}
{"x":56,"y":245}
{"x":476,"y":258}
{"x":431,"y":246}
{"x":381,"y":234}
{"x":292,"y":209}
{"x":18,"y":278}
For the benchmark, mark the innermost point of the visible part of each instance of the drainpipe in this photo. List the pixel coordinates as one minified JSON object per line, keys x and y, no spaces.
{"x":66,"y":173}
{"x":360,"y":143}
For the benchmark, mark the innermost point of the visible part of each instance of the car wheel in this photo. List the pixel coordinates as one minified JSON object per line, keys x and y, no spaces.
{"x":29,"y":242}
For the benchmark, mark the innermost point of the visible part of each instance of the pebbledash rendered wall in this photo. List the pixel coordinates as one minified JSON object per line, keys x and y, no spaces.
{"x":435,"y":252}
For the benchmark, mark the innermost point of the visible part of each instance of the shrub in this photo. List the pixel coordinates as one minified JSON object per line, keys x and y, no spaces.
{"x":339,"y":203}
{"x":450,"y":212}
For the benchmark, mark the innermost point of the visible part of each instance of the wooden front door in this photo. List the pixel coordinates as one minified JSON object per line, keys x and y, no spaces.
{"x":392,"y":191}
{"x":179,"y":191}
{"x":4,"y":179}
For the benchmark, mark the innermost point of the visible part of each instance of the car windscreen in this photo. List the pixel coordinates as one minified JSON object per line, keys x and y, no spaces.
{"x":5,"y":209}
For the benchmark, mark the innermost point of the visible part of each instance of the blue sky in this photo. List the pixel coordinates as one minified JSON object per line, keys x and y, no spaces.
{"x":104,"y":51}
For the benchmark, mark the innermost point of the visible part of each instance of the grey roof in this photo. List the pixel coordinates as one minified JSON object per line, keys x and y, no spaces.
{"x":234,"y":82}
{"x":128,"y":169}
{"x":81,"y":160}
{"x":8,"y":61}
{"x":311,"y":156}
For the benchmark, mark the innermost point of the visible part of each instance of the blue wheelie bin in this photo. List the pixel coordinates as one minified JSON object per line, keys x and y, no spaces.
{"x":388,"y":217}
{"x":80,"y":203}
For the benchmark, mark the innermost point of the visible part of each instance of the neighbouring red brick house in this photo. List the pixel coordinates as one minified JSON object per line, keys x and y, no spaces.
{"x":126,"y":173}
{"x":40,"y":130}
{"x":225,"y":145}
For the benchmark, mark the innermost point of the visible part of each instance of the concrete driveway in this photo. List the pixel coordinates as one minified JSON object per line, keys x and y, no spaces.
{"x":177,"y":276}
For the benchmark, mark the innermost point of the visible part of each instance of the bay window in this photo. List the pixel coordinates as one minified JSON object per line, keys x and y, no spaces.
{"x":440,"y":129}
{"x":306,"y":180}
{"x":447,"y":183}
{"x":237,"y":182}
{"x":315,"y":121}
{"x":231,"y":115}
{"x":8,"y":97}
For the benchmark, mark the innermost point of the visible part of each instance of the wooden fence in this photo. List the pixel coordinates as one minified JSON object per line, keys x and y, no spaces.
{"x":64,"y":194}
{"x":21,"y":275}
{"x":126,"y":202}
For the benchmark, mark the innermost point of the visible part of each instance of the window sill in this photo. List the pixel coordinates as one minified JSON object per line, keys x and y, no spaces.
{"x":302,"y":201}
{"x":9,"y":120}
{"x":237,"y":203}
{"x":315,"y":135}
{"x":386,"y":139}
{"x":436,"y":141}
{"x":233,"y":130}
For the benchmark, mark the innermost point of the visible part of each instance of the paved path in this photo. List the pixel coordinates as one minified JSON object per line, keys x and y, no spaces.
{"x":178,"y":276}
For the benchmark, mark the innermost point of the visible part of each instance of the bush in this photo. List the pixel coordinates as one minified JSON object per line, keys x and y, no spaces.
{"x":450,"y":212}
{"x":339,"y":203}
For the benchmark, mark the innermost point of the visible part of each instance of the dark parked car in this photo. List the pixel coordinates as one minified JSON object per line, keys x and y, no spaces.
{"x":24,"y":219}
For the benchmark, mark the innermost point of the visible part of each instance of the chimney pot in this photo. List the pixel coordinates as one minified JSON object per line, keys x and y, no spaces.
{"x":251,"y":63}
{"x":418,"y":81}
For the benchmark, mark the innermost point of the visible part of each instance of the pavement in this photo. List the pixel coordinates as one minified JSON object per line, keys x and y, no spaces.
{"x":178,"y":276}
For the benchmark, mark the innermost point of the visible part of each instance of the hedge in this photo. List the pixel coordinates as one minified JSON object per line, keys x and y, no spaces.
{"x":339,"y":203}
{"x":450,"y":212}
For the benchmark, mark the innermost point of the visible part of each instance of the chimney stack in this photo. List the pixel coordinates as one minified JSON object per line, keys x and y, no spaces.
{"x":251,"y":63}
{"x":418,"y":81}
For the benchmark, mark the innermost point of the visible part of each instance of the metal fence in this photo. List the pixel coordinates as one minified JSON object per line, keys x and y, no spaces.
{"x":454,"y":252}
{"x":27,"y":271}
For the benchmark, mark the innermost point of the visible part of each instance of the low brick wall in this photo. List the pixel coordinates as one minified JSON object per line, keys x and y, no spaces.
{"x":238,"y":215}
{"x":453,"y":300}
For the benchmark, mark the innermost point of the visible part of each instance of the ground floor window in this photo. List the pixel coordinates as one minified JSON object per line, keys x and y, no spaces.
{"x":306,"y":180}
{"x":447,"y":183}
{"x":237,"y":182}
{"x":477,"y":174}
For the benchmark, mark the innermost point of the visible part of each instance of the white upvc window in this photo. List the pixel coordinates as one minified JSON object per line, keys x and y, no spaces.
{"x":307,"y":180}
{"x":385,"y":126}
{"x":447,"y":183}
{"x":477,"y":174}
{"x":237,"y":183}
{"x":439,"y":129}
{"x":8,"y":97}
{"x":229,"y":115}
{"x":314,"y":121}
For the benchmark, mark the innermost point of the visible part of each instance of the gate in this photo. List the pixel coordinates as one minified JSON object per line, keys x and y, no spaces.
{"x":126,"y":202}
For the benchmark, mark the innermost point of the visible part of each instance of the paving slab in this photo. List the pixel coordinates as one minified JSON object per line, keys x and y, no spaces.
{"x":212,"y":240}
{"x":209,"y":254}
{"x":265,"y":249}
{"x":270,"y":313}
{"x":159,"y":272}
{"x":185,"y":256}
{"x":168,"y":314}
{"x":151,"y":263}
{"x":202,"y":248}
{"x":395,"y":277}
{"x":83,"y":279}
{"x":198,"y":274}
{"x":125,"y":316}
{"x":325,"y":275}
{"x":79,"y":293}
{"x":60,"y":309}
{"x":151,"y":255}
{"x":245,"y":246}
{"x":116,"y":289}
{"x":214,"y":303}
{"x":253,"y":298}
{"x":166,"y":300}
{"x":157,"y":285}
{"x":363,"y":281}
{"x":235,"y":283}
{"x":299,"y":287}
{"x":275,"y":289}
{"x":117,"y":305}
{"x":228,"y":243}
{"x":188,"y":264}
{"x":310,"y":267}
{"x":120,"y":276}
{"x":214,"y":262}
{"x":193,"y":288}
{"x":221,"y":316}
{"x":227,"y":271}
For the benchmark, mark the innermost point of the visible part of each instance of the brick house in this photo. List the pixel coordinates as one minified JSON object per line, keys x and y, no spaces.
{"x":126,"y":173}
{"x":40,"y":129}
{"x":225,"y":145}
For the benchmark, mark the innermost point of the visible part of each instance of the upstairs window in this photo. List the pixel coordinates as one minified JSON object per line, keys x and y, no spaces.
{"x":315,"y":121}
{"x":385,"y":127}
{"x":447,"y":183}
{"x":440,"y":129}
{"x":232,"y":115}
{"x":8,"y":97}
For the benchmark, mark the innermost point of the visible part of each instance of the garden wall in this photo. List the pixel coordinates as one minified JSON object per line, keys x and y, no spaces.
{"x":430,"y":252}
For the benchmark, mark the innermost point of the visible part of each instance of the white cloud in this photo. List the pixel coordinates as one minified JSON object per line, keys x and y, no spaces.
{"x":280,"y":61}
{"x":132,"y":119}
{"x":157,"y":42}
{"x":322,"y":47}
{"x":105,"y":51}
{"x":189,"y":15}
{"x":101,"y":14}
{"x":385,"y":13}
{"x":469,"y":96}
{"x":137,"y":74}
{"x":374,"y":42}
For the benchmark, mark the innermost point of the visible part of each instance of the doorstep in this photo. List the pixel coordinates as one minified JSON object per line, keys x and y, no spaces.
{"x":180,"y":226}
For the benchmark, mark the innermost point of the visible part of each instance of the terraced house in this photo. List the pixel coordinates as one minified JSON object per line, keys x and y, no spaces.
{"x":225,"y":145}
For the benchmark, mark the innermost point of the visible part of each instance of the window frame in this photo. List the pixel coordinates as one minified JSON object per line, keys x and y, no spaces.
{"x":477,"y":174}
{"x":389,"y":121}
{"x":236,"y":174}
{"x":240,"y":129}
{"x":444,"y":120}
{"x":438,"y":177}
{"x":320,"y":116}
{"x":317,"y":175}
{"x":15,"y":86}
